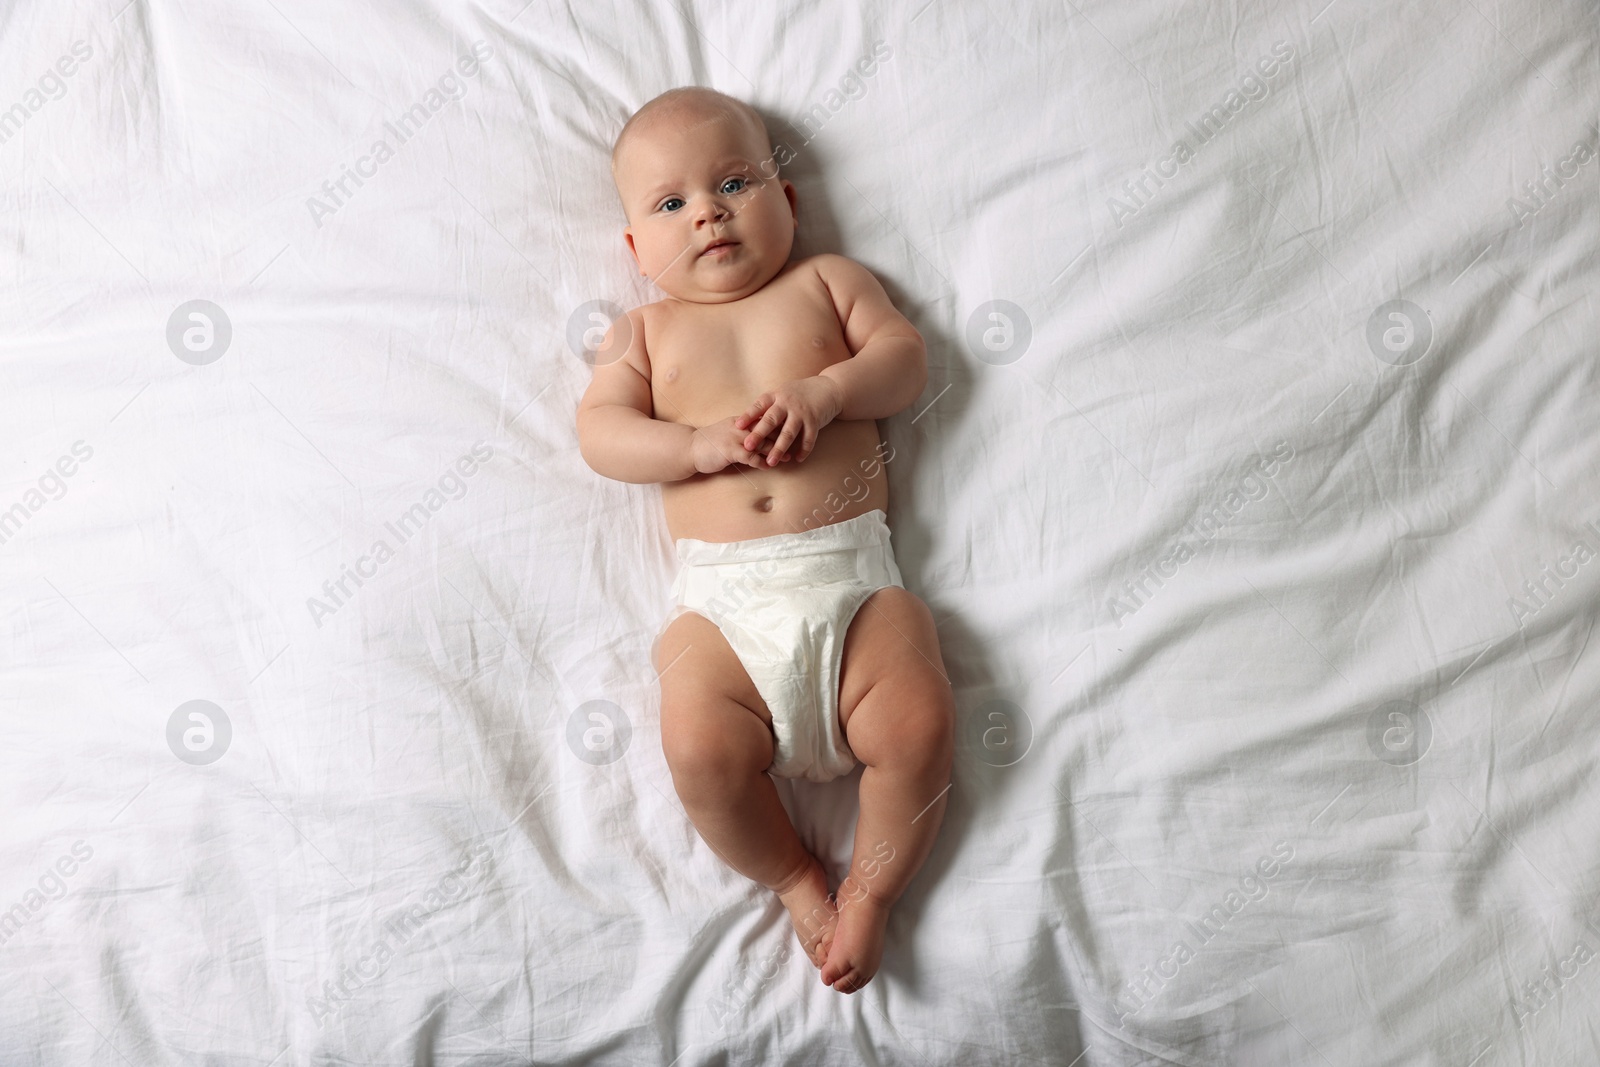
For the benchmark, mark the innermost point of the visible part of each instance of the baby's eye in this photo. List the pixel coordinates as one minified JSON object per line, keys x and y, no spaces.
{"x":732,"y":186}
{"x":671,"y":203}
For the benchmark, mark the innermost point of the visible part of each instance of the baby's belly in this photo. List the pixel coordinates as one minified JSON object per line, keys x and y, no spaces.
{"x":843,"y":477}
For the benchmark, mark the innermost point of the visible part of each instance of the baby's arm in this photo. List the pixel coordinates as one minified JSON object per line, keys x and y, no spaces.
{"x":889,"y":368}
{"x":617,"y":435}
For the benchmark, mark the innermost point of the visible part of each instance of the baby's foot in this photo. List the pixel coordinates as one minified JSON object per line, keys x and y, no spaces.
{"x":857,"y":941}
{"x":812,"y":911}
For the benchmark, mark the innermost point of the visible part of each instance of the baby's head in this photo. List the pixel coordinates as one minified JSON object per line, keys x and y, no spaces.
{"x":695,"y":169}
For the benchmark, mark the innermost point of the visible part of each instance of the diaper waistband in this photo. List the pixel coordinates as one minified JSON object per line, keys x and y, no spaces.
{"x":863,"y":531}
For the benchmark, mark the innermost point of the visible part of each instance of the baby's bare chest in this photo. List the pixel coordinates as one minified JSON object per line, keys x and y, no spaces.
{"x":708,"y":362}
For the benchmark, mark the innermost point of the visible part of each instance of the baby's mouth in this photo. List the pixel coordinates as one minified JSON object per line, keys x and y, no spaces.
{"x":719,"y":248}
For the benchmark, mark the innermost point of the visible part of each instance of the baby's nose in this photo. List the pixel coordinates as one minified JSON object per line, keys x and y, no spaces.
{"x":713,"y":211}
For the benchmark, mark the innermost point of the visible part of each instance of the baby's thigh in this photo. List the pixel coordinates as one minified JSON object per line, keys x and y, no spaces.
{"x":892,"y":649}
{"x":709,"y":706}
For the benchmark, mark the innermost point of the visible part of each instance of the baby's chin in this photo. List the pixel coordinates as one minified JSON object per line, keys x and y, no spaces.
{"x":708,"y":291}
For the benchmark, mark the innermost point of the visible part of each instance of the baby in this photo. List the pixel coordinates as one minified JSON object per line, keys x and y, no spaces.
{"x":792,"y":649}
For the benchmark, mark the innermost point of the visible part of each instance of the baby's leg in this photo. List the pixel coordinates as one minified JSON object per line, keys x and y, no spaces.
{"x":899,"y":719}
{"x":717,"y":742}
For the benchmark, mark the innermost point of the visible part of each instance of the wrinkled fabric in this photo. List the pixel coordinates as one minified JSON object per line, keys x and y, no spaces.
{"x":1251,"y":492}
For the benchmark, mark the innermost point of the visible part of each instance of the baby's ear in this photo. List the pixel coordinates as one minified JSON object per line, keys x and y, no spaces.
{"x":627,"y":239}
{"x":794,"y":201}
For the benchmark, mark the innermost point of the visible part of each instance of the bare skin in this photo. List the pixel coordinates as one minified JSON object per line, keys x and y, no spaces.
{"x":751,"y":393}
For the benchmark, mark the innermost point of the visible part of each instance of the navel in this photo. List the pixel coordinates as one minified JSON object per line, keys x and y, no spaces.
{"x":817,"y":342}
{"x":764,"y":504}
{"x":671,"y":374}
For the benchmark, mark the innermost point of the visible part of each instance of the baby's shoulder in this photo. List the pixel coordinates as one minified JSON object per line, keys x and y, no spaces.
{"x":822,"y":276}
{"x":837,"y":274}
{"x":652,"y":325}
{"x":840,"y":278}
{"x":645,"y":316}
{"x":826,"y":264}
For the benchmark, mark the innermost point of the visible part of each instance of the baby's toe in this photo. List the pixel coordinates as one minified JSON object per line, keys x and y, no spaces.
{"x":820,"y":951}
{"x":831,"y":971}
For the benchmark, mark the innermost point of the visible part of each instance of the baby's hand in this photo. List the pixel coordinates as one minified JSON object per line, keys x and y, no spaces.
{"x":802,"y":407}
{"x":720,"y":445}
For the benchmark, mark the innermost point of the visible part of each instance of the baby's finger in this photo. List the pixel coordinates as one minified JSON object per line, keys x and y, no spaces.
{"x":809,"y":442}
{"x":752,"y":413}
{"x":791,"y":430}
{"x":761,"y":429}
{"x":781,"y":443}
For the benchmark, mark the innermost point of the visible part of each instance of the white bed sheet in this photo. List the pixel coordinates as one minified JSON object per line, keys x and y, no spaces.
{"x":1300,"y":784}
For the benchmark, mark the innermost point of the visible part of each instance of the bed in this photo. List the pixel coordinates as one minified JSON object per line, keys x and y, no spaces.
{"x":1254,"y":491}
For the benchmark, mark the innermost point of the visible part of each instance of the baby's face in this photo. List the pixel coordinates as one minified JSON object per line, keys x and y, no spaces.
{"x":707,"y":219}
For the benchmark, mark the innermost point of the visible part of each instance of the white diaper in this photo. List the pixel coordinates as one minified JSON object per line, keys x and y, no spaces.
{"x":784,"y":603}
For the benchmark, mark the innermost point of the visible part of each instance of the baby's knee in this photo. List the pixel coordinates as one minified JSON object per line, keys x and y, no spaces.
{"x":707,"y":757}
{"x":916,"y":734}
